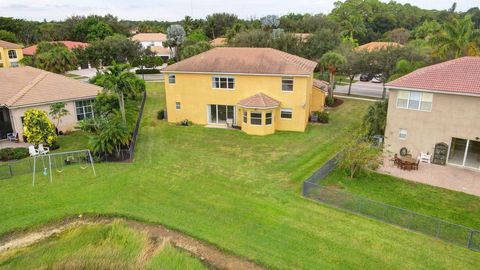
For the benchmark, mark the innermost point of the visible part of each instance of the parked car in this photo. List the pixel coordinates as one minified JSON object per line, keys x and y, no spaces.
{"x":365,"y":77}
{"x":377,"y":79}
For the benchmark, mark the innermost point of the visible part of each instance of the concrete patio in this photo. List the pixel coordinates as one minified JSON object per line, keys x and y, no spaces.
{"x":449,"y":177}
{"x":6,"y":143}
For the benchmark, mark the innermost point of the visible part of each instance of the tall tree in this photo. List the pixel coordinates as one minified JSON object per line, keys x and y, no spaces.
{"x":120,"y":81}
{"x":175,"y":38}
{"x":218,"y":24}
{"x":332,"y":61}
{"x":8,"y":36}
{"x":459,"y":38}
{"x":58,"y":59}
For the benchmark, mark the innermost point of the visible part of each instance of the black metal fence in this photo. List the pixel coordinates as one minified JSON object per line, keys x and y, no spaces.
{"x":438,"y":228}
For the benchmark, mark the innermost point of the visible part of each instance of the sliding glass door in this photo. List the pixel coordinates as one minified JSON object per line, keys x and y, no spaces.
{"x":219,"y":114}
{"x":465,"y":152}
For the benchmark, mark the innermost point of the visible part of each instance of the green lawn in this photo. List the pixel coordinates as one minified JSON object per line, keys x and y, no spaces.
{"x":449,"y":205}
{"x":238,"y":192}
{"x":112,"y":246}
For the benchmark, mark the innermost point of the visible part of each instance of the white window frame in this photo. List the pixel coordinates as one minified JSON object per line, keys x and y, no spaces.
{"x":287,"y":81}
{"x":209,"y":111}
{"x":82,"y":107}
{"x":178,"y":105}
{"x":229,"y":81}
{"x":170,"y":77}
{"x":286,"y":110}
{"x":422,"y":101}
{"x":245,"y":117}
{"x":402,"y":134}
{"x":12,"y":52}
{"x":256,"y":118}
{"x":268,"y":118}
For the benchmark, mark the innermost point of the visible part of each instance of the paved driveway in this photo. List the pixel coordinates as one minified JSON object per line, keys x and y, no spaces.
{"x":449,"y":177}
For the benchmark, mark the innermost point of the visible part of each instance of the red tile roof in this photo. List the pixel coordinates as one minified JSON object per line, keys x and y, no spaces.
{"x":245,"y":61}
{"x":461,"y":76}
{"x":69,"y":44}
{"x":259,"y":101}
{"x":322,"y":85}
{"x":9,"y":45}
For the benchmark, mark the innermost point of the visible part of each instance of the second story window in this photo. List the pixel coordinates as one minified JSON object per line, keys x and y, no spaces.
{"x":171,"y":78}
{"x":223,"y":82}
{"x":287,"y":84}
{"x":12,"y":54}
{"x":412,"y":100}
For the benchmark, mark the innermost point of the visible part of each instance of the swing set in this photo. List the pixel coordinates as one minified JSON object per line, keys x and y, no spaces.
{"x":59,"y":161}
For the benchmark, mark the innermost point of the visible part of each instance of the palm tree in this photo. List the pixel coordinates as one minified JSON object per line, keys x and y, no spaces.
{"x":332,"y":60}
{"x":120,"y":81}
{"x":58,"y":60}
{"x":459,"y":38}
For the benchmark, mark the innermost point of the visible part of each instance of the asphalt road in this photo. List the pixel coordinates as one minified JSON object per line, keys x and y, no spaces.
{"x":359,"y":88}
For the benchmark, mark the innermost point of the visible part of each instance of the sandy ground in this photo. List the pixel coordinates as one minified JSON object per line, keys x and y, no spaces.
{"x":158,"y":235}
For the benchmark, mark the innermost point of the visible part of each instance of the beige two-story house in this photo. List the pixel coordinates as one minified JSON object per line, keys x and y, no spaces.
{"x":436,"y":109}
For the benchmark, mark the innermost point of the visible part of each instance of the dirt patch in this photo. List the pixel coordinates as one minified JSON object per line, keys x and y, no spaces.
{"x":158,"y":237}
{"x":336,"y":102}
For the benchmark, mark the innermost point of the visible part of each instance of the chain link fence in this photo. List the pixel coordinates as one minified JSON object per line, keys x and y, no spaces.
{"x":438,"y":228}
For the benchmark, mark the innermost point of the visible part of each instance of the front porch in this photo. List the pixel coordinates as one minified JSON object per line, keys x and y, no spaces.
{"x":449,"y":176}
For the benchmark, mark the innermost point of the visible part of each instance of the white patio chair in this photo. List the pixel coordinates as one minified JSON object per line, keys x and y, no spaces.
{"x":43,"y":150}
{"x":425,"y":157}
{"x":32,"y":151}
{"x":12,"y":136}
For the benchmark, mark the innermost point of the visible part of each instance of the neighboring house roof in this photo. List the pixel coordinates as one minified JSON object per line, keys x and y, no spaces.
{"x":27,"y":86}
{"x":303,"y":37}
{"x":9,"y":45}
{"x":159,"y":50}
{"x":375,"y":46}
{"x":461,"y":76}
{"x":69,"y":44}
{"x":245,"y":61}
{"x":218,"y":42}
{"x":150,"y":37}
{"x":259,"y":101}
{"x":322,"y":85}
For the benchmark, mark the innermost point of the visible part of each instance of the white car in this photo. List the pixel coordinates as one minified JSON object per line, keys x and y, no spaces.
{"x":377,"y":79}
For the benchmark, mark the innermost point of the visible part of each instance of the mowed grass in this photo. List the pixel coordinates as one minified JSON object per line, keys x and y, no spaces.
{"x":113,"y":246}
{"x":456,"y":207}
{"x":238,"y":192}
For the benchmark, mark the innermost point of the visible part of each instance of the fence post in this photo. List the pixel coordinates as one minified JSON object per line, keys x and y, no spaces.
{"x":469,"y":238}
{"x":438,"y":229}
{"x":10,"y":169}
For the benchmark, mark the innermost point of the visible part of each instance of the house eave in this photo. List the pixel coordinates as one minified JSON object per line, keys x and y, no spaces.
{"x":235,"y":73}
{"x":432,"y":91}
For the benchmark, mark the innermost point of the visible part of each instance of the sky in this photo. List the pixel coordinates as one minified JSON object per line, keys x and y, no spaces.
{"x":172,"y":10}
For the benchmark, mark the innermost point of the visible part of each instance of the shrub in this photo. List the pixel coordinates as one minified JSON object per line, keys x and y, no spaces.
{"x":323,"y":117}
{"x":171,"y":61}
{"x":147,"y":71}
{"x":13,"y":153}
{"x":329,"y":100}
{"x":161,"y":114}
{"x":359,"y":156}
{"x":38,"y":128}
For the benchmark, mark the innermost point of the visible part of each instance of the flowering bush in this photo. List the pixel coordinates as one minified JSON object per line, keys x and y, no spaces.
{"x":38,"y":128}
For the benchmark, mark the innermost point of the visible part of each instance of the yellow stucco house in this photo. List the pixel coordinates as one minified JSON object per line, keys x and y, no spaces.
{"x":10,"y":54}
{"x":259,"y":90}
